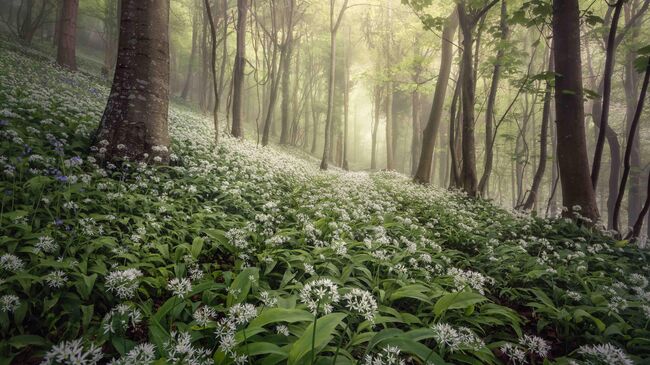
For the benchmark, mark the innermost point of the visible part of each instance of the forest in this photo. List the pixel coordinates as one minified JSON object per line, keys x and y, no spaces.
{"x":324,"y":182}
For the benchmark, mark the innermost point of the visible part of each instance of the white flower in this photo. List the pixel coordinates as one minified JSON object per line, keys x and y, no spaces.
{"x":605,"y":354}
{"x":535,"y":345}
{"x":9,"y":303}
{"x":142,"y":354}
{"x":56,"y":279}
{"x":179,"y":350}
{"x":362,"y":302}
{"x":241,"y":314}
{"x":12,"y":263}
{"x":180,"y":287}
{"x":46,"y":244}
{"x":389,"y":355}
{"x":282,"y":330}
{"x":120,"y":317}
{"x":268,"y":300}
{"x":514,"y":353}
{"x":468,"y":278}
{"x":457,"y":338}
{"x":204,"y":315}
{"x":72,"y":353}
{"x":319,"y":295}
{"x":124,"y":283}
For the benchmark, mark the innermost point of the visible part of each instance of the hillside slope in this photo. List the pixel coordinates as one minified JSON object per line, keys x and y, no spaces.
{"x":227,"y":253}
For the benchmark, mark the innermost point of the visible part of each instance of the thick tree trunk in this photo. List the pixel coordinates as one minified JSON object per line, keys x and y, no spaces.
{"x":134,"y":124}
{"x":238,"y":71}
{"x":492,"y":97}
{"x":423,"y":172}
{"x":577,"y":190}
{"x":287,"y":49}
{"x":66,"y":51}
{"x":330,"y":102}
{"x":453,"y":132}
{"x":468,"y":174}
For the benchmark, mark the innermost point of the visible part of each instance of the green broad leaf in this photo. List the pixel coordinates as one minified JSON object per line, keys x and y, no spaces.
{"x":276,"y":315}
{"x":263,"y":348}
{"x":579,"y":314}
{"x":85,"y":285}
{"x":21,"y":341}
{"x":197,"y":246}
{"x":415,"y":291}
{"x":325,"y":327}
{"x":242,"y":284}
{"x":457,"y":300}
{"x":414,"y":348}
{"x":158,"y":334}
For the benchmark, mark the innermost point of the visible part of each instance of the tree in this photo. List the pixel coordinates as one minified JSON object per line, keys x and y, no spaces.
{"x":423,"y":172}
{"x":577,"y":191}
{"x":190,"y":64}
{"x":213,"y":63}
{"x":494,"y":87}
{"x":66,"y":56}
{"x":134,"y":123}
{"x":468,"y":19}
{"x":333,"y":28}
{"x":238,"y":71}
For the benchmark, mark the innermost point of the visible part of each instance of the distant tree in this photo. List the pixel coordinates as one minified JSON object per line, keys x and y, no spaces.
{"x":238,"y":72}
{"x":66,"y":52}
{"x":29,"y":18}
{"x":213,"y":67}
{"x":423,"y":172}
{"x":577,"y":191}
{"x":134,"y":124}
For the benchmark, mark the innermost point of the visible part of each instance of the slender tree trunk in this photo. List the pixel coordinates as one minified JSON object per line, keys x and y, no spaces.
{"x":238,"y":71}
{"x":376,"y":104}
{"x":489,"y":111}
{"x":346,"y":104}
{"x":423,"y":172}
{"x":134,"y":123}
{"x":416,"y":138}
{"x":628,"y":152}
{"x":453,"y":131}
{"x":577,"y":190}
{"x":636,"y":228}
{"x":66,"y":53}
{"x":190,"y":66}
{"x":213,"y":62}
{"x":607,"y":91}
{"x":543,"y":141}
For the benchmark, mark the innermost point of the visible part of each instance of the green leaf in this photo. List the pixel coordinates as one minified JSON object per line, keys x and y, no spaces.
{"x":325,"y":327}
{"x":197,"y":246}
{"x":242,"y":284}
{"x":275,"y":315}
{"x":21,"y":341}
{"x":457,"y":300}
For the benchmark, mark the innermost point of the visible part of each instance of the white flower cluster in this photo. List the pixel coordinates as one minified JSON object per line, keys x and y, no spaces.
{"x":9,"y":303}
{"x":45,"y":244}
{"x":180,"y":287}
{"x":120,"y":317}
{"x":124,"y":283}
{"x":142,"y":354}
{"x":468,"y":278}
{"x":238,"y":315}
{"x":605,"y":354}
{"x":361,"y":302}
{"x":73,"y":352}
{"x":204,"y":315}
{"x":389,"y":355}
{"x":179,"y":350}
{"x":11,"y":263}
{"x":456,"y":338}
{"x":320,"y":295}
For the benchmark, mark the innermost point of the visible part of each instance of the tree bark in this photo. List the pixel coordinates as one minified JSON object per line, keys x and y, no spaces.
{"x":190,"y":66}
{"x":543,"y":141}
{"x":577,"y":190}
{"x":489,"y":111}
{"x":423,"y":172}
{"x":607,"y":91}
{"x":468,"y":172}
{"x":66,"y":50}
{"x":238,"y":71}
{"x":213,"y":62}
{"x":134,"y":123}
{"x":628,"y":152}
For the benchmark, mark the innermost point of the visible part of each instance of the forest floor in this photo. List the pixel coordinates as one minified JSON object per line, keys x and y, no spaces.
{"x":227,"y":253}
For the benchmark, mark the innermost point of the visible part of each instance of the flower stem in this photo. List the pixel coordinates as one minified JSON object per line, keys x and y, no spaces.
{"x":341,"y":343}
{"x":313,"y":335}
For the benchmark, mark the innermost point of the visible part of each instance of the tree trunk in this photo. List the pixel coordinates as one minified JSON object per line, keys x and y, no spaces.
{"x":628,"y":152}
{"x":543,"y":141}
{"x":238,"y":71}
{"x":577,"y":190}
{"x":190,"y":66}
{"x":468,"y":174}
{"x":423,"y":172}
{"x":330,"y":102}
{"x":416,"y":137}
{"x":66,"y":51}
{"x":346,"y":104}
{"x":134,"y":123}
{"x":607,"y":91}
{"x":213,"y":62}
{"x":489,"y":111}
{"x":376,"y":104}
